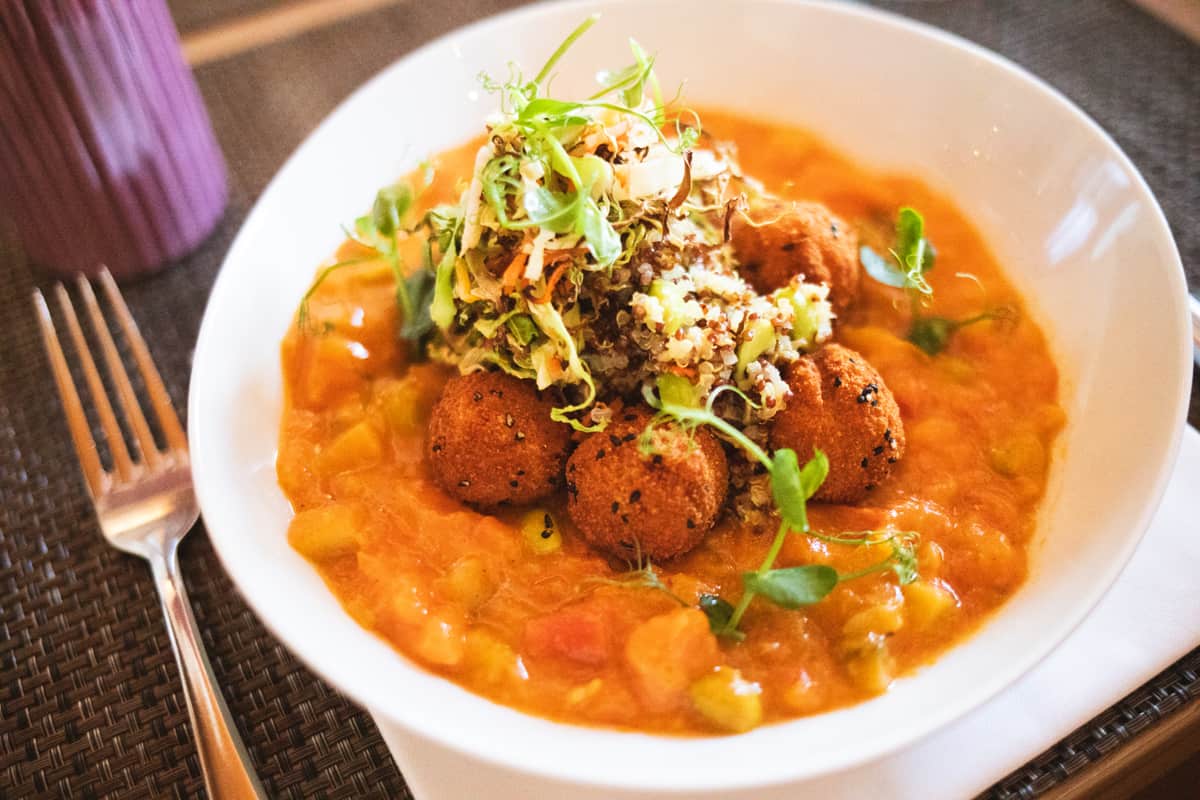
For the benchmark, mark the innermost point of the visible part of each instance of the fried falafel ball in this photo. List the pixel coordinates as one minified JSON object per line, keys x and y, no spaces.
{"x":491,"y":441}
{"x":841,"y":404}
{"x":797,"y":239}
{"x":657,"y":505}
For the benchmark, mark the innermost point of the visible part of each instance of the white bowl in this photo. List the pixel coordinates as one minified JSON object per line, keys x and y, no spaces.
{"x":1060,"y":204}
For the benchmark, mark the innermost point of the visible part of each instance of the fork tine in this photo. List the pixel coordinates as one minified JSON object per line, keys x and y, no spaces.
{"x":116,"y":370}
{"x":108,"y":420}
{"x":85,"y":446}
{"x":163,"y":408}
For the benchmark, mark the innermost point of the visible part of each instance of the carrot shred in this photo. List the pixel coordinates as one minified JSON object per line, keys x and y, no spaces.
{"x":555,"y":277}
{"x":512,"y":273}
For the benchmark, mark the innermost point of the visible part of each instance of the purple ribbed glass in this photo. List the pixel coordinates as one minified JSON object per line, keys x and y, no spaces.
{"x":107,"y":155}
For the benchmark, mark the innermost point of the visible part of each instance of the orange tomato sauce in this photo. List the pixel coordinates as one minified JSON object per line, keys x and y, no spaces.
{"x":475,"y":598}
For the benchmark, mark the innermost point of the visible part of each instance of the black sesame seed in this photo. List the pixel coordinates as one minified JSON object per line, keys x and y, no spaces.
{"x":547,"y":520}
{"x":892,"y":459}
{"x":520,"y":472}
{"x":837,"y":381}
{"x":887,"y":435}
{"x":788,"y":247}
{"x":691,"y":523}
{"x":864,"y":463}
{"x":657,"y":459}
{"x":630,"y":417}
{"x":547,"y":534}
{"x":870,"y":487}
{"x":514,"y":484}
{"x":614,"y":440}
{"x":600,"y":454}
{"x":629,"y":437}
{"x":437,"y":448}
{"x":616,"y":507}
{"x":635,"y":495}
{"x":865,"y":394}
{"x":624,"y":519}
{"x":878,"y":450}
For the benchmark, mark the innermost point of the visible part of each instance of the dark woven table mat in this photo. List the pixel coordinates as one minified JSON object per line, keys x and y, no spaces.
{"x":89,"y":696}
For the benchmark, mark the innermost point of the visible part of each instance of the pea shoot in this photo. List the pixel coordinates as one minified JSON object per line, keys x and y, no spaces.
{"x":912,"y":257}
{"x":792,"y":486}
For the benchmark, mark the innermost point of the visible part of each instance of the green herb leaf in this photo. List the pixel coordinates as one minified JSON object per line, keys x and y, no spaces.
{"x":417,"y":323}
{"x":602,"y":239}
{"x":913,"y":253}
{"x":391,"y":204}
{"x":913,"y":249}
{"x":522,"y":329}
{"x":793,"y":587}
{"x":792,"y":486}
{"x":441,"y":309}
{"x":882,"y":270}
{"x":931,"y":334}
{"x":719,"y":612}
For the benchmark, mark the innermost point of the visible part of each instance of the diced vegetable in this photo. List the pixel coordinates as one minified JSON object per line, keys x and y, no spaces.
{"x":575,"y":634}
{"x":864,"y":645}
{"x":666,"y":653}
{"x":326,"y":531}
{"x":469,"y":582}
{"x":541,"y":531}
{"x":491,"y":659}
{"x":1018,"y":455}
{"x":926,"y":602}
{"x":440,"y":642}
{"x":354,"y":448}
{"x":727,"y":700}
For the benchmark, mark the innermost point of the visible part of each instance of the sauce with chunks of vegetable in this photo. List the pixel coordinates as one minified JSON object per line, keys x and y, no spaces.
{"x":515,"y":606}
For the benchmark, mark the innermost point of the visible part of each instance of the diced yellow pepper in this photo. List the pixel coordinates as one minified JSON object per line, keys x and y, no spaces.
{"x":354,"y":448}
{"x":469,"y":582}
{"x":326,"y":531}
{"x":1021,"y":454}
{"x":925,"y":602}
{"x":440,"y":642}
{"x":872,"y":670}
{"x":727,"y":700}
{"x":541,"y":531}
{"x":864,"y":645}
{"x":492,"y":660}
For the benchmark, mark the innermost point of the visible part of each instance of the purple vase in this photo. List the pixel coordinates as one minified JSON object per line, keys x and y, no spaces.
{"x":107,"y":156}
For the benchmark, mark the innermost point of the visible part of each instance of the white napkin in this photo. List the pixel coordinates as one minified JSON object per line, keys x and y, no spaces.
{"x":1147,"y":621}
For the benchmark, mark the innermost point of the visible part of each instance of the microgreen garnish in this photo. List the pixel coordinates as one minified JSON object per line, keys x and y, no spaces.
{"x":913,"y":254}
{"x":932,"y":334}
{"x":792,"y":486}
{"x":380,"y":232}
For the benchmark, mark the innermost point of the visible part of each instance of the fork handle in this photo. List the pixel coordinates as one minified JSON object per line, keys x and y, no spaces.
{"x":228,"y":773}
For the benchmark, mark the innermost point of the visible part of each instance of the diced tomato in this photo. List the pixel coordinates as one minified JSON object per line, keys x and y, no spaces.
{"x":576,"y":634}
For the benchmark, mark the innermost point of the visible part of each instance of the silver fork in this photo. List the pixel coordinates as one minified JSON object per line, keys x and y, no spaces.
{"x":145,"y":505}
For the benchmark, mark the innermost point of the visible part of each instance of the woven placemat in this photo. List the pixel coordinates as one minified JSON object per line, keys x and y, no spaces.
{"x":90,"y":704}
